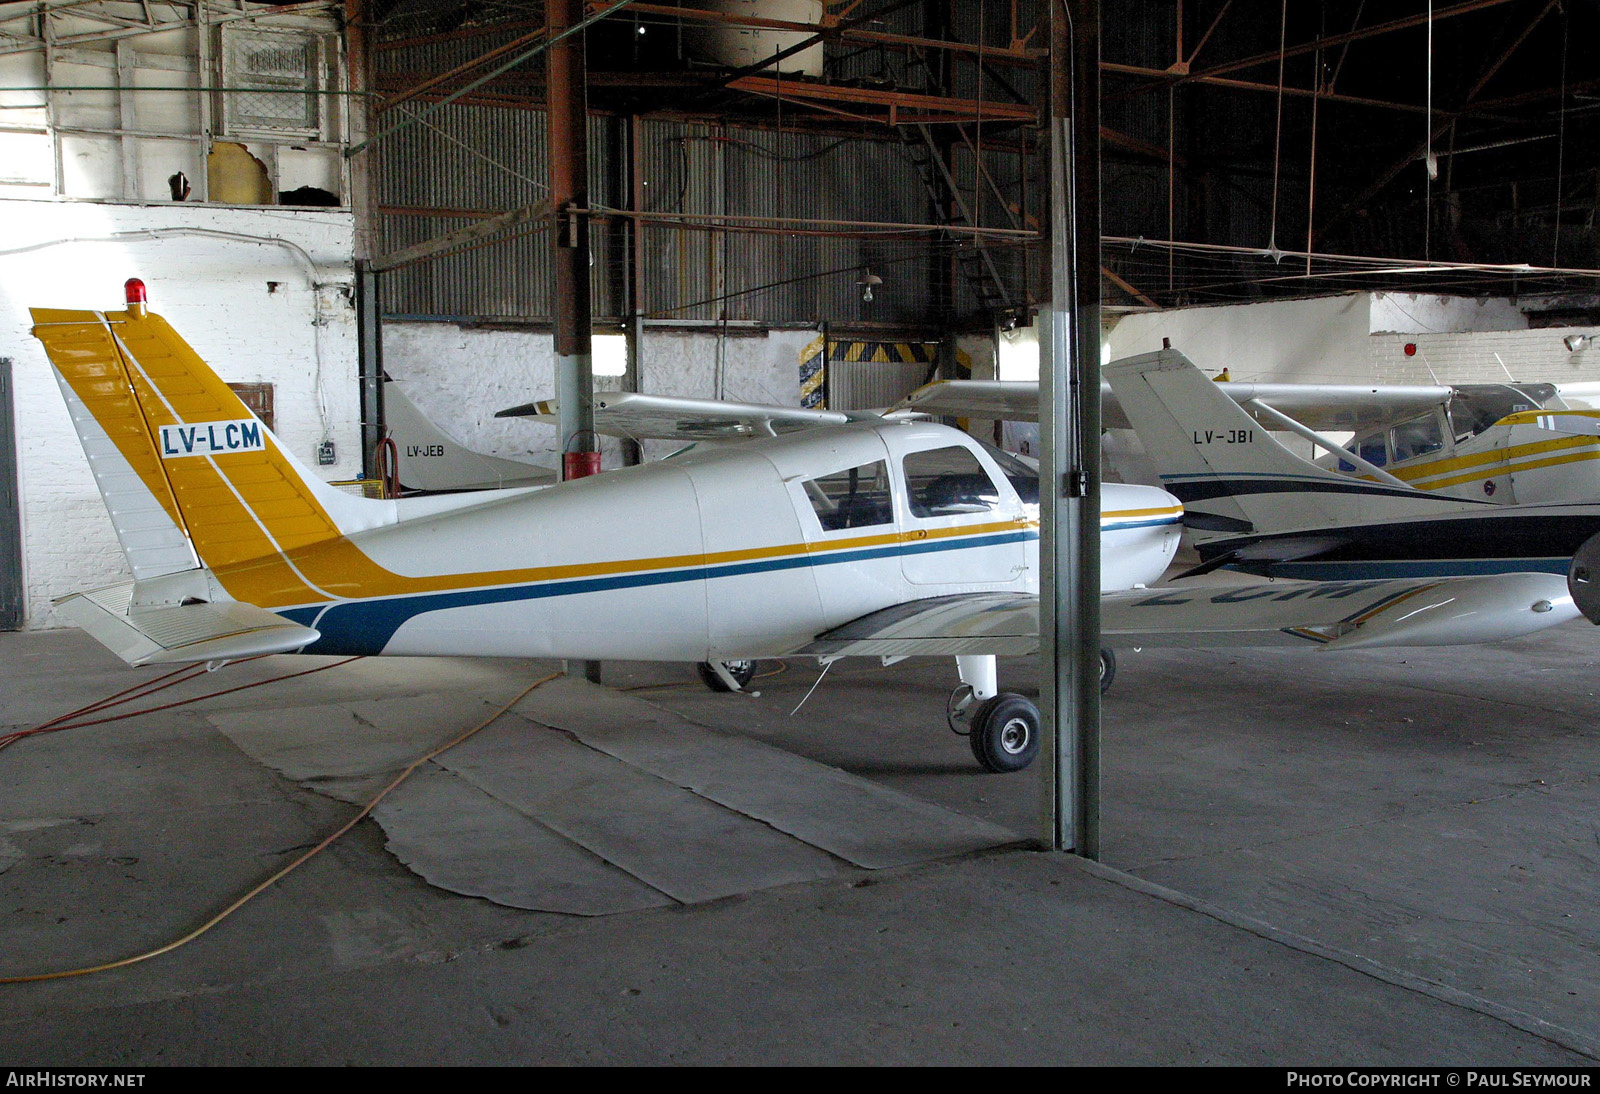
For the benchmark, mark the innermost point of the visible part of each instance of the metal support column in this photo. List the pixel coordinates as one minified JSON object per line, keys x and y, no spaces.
{"x":632,"y":450}
{"x":1069,"y":418}
{"x":369,"y":348}
{"x":13,"y":593}
{"x":569,"y":191}
{"x":566,"y":92}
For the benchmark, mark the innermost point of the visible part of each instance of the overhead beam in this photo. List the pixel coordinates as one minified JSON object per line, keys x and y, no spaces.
{"x":490,"y":225}
{"x":1449,"y":118}
{"x":1331,"y":40}
{"x":462,"y":69}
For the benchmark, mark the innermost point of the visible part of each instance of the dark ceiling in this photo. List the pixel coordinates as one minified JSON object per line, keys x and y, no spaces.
{"x":1461,"y":131}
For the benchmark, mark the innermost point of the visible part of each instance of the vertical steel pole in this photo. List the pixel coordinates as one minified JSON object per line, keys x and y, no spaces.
{"x":567,"y":105}
{"x":369,"y":341}
{"x":1069,"y":415}
{"x":569,"y":191}
{"x":633,"y":451}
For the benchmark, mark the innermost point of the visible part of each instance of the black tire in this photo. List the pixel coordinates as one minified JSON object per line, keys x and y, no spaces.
{"x":1108,"y":670}
{"x":1005,"y":733}
{"x":742,"y":671}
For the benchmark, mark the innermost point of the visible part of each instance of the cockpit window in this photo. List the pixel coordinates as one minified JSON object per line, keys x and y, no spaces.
{"x":1024,"y":479}
{"x":947,"y":482}
{"x":1476,"y":407}
{"x":1417,"y":437}
{"x":857,"y":497}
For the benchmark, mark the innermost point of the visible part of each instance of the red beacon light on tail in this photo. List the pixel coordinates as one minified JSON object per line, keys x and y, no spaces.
{"x":134,"y":291}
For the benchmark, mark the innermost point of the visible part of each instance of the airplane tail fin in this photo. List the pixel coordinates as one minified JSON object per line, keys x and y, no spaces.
{"x":1230,"y":473}
{"x":191,"y":477}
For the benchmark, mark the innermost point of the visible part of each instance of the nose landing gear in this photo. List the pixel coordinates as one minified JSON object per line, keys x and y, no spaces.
{"x":1001,"y":726}
{"x":733,"y":675}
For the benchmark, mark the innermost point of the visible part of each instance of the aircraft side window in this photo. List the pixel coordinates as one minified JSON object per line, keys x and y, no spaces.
{"x":946,"y":482}
{"x":857,"y":497}
{"x":1417,"y":437}
{"x":1371,"y":448}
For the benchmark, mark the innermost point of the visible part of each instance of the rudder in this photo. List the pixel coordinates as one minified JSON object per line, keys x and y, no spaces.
{"x":1221,"y":462}
{"x":189,"y":474}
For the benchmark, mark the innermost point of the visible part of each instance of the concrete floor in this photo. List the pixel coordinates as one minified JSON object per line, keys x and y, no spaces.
{"x":1362,"y":858}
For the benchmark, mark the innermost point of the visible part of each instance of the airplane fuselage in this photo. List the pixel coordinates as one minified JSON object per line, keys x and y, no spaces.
{"x":746,"y":551}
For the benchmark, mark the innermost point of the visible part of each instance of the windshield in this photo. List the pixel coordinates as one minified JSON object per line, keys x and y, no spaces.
{"x":1024,"y":479}
{"x":1476,"y":407}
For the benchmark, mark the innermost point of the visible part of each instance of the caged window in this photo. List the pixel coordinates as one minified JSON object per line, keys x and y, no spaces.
{"x":280,"y":74}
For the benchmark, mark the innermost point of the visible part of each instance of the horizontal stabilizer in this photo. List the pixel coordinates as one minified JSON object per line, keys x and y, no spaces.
{"x":223,"y":631}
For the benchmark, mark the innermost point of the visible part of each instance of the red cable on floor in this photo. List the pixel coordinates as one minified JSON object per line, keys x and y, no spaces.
{"x":55,"y":725}
{"x":279,"y":874}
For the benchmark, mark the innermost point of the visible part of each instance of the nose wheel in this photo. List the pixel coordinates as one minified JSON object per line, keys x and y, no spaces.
{"x":1004,"y":733}
{"x":1003,"y":729}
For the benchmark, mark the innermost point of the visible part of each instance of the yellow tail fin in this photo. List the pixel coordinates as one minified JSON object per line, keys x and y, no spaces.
{"x":185,"y":461}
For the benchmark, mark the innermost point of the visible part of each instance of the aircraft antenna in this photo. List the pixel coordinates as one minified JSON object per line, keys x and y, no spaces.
{"x":826,"y":665}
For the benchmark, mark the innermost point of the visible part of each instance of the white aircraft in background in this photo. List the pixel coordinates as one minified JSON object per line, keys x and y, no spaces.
{"x":873,"y":537}
{"x":1253,"y":505}
{"x":417,"y":457}
{"x":1507,"y":443}
{"x":1510,"y":443}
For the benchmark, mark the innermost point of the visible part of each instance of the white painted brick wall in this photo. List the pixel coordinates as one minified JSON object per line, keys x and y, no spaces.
{"x":1531,"y":356}
{"x":459,"y":377}
{"x":215,"y":293}
{"x":1352,"y":338}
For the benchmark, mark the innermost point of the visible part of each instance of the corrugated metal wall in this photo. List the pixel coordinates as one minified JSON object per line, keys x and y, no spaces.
{"x":475,"y":159}
{"x":465,"y":160}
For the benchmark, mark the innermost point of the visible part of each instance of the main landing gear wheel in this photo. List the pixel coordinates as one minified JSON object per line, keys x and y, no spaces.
{"x":1108,"y":670}
{"x":742,"y":672}
{"x":1005,"y":733}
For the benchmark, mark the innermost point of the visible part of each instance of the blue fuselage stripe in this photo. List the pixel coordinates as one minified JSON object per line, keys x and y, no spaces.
{"x":366,"y":626}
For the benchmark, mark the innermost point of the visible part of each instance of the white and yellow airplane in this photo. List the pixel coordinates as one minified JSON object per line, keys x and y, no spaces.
{"x":1252,"y":505}
{"x":1512,"y":444}
{"x":1505,"y":443}
{"x":875,"y":537}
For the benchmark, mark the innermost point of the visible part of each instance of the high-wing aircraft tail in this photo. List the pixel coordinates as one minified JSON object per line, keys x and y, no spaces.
{"x":1229,"y":471}
{"x":191,"y":477}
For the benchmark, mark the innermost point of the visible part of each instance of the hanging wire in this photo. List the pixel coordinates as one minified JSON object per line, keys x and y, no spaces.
{"x":1277,"y":137}
{"x":1429,"y":161}
{"x":1561,"y":135}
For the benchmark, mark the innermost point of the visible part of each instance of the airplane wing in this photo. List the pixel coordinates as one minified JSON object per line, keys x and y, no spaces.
{"x":221,"y":631}
{"x":1326,"y":614}
{"x":998,"y":400}
{"x":670,"y":418}
{"x":1317,"y":406}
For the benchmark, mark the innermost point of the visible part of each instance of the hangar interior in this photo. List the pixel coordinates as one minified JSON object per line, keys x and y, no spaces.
{"x":366,"y":215}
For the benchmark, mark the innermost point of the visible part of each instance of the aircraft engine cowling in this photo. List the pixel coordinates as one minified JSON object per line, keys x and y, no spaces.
{"x":1583,"y":578}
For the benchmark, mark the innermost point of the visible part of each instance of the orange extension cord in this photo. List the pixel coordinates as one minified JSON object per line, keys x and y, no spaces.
{"x":55,"y":725}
